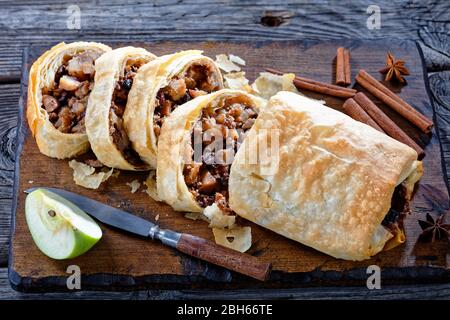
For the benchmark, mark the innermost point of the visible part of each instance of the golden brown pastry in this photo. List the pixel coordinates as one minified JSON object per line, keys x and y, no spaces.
{"x":114,"y":75}
{"x":159,"y":87}
{"x":196,"y":148}
{"x":59,"y":85}
{"x":333,"y":184}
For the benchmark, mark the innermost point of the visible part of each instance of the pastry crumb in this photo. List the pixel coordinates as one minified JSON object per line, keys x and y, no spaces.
{"x":85,"y":176}
{"x":224,"y":63}
{"x":237,"y":81}
{"x":269,"y":84}
{"x":134,"y":185}
{"x":217,"y":218}
{"x":151,"y":190}
{"x":236,"y":59}
{"x":239,"y":239}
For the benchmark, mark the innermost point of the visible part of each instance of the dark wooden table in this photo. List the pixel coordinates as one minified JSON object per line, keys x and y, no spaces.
{"x":36,"y":22}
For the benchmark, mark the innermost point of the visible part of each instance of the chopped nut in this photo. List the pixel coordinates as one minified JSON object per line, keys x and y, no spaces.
{"x":50,"y":103}
{"x":176,"y":89}
{"x":64,"y":122}
{"x":208,"y":182}
{"x":248,"y":124}
{"x":166,"y":108}
{"x":191,"y":173}
{"x":69,"y":83}
{"x":190,"y":82}
{"x":82,"y":64}
{"x":83,"y":90}
{"x":196,"y":93}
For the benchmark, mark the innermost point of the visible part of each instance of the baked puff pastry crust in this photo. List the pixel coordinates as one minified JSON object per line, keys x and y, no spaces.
{"x":158,"y":88}
{"x":51,"y":141}
{"x":114,"y":73}
{"x":180,"y":175}
{"x":334,"y":180}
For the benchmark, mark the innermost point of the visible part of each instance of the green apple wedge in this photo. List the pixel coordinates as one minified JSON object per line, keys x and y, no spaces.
{"x":59,"y":228}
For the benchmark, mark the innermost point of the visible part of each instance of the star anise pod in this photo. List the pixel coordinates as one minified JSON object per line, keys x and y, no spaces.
{"x":394,"y":69}
{"x":434,"y":229}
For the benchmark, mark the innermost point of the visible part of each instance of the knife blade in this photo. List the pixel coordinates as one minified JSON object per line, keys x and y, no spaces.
{"x":189,"y":244}
{"x":104,"y":213}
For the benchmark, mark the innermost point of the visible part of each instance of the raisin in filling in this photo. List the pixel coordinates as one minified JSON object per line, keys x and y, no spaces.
{"x":207,"y":175}
{"x":197,"y":80}
{"x":399,"y":210}
{"x":118,"y":105}
{"x":66,"y":101}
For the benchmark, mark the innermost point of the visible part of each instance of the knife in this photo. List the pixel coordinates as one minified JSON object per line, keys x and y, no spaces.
{"x":186,"y":243}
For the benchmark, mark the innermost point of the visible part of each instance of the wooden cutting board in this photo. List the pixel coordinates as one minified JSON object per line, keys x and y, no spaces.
{"x":121,"y":261}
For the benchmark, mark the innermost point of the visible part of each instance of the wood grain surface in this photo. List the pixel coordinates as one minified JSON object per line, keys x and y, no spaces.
{"x":122,"y":261}
{"x":32,"y":22}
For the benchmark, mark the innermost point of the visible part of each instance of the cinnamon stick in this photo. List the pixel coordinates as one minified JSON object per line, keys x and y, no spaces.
{"x":394,"y":101}
{"x":343,"y":67}
{"x":348,"y":77}
{"x":386,"y":123}
{"x":317,"y":86}
{"x":354,"y":110}
{"x":340,"y":71}
{"x":391,"y":94}
{"x":321,"y":89}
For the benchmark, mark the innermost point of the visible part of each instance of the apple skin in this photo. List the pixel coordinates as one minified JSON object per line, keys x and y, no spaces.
{"x":83,"y":243}
{"x":67,"y":234}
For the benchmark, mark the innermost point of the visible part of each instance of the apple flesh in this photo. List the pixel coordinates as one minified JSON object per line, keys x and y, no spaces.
{"x":59,"y":228}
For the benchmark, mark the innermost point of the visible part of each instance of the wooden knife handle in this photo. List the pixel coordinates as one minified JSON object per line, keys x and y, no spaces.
{"x":227,"y":258}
